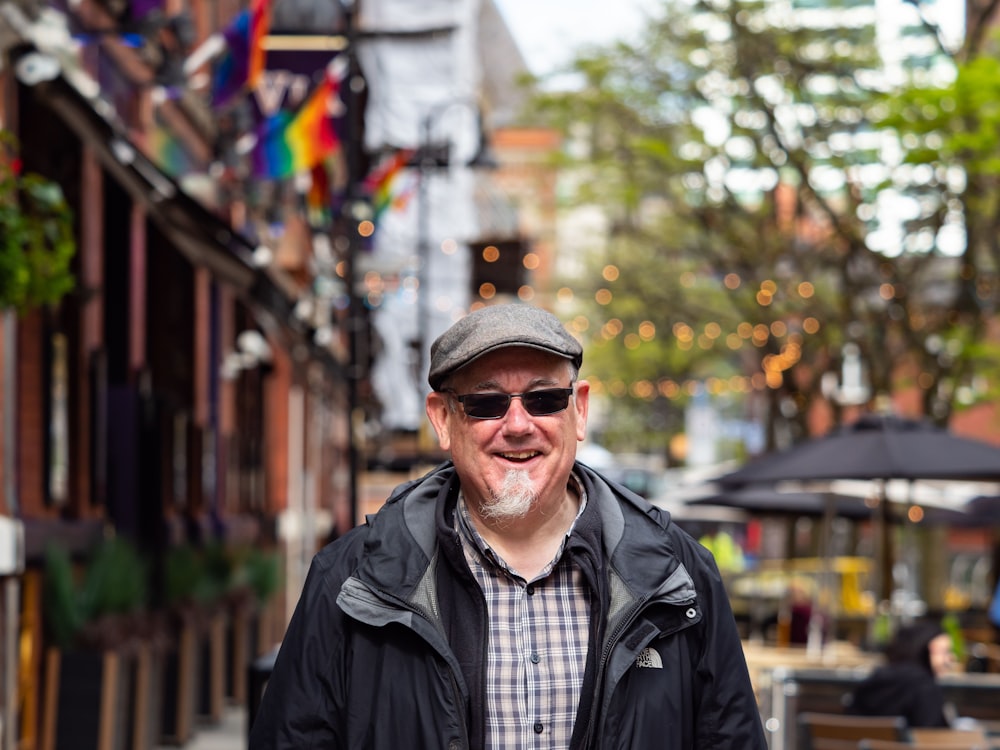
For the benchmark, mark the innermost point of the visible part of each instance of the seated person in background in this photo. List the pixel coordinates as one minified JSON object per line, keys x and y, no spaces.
{"x":906,"y":685}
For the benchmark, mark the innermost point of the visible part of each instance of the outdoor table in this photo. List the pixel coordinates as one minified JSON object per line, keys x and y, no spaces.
{"x":785,"y":692}
{"x":763,"y":659}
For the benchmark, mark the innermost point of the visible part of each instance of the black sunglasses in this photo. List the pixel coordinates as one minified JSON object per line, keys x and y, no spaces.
{"x":494,"y":405}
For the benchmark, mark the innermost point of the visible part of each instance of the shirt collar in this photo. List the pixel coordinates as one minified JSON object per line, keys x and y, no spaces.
{"x":471,"y":536}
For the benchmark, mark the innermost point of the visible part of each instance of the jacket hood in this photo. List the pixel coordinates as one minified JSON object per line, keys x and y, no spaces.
{"x":632,"y":533}
{"x":402,"y":540}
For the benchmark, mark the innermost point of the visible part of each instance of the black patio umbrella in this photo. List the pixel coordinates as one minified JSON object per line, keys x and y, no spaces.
{"x":875,"y":447}
{"x":983,"y":510}
{"x":769,"y":501}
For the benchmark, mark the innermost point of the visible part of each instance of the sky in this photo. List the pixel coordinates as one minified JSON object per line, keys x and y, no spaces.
{"x":548,"y":31}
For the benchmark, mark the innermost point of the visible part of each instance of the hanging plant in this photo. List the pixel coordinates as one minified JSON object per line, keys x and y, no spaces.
{"x":37,"y":242}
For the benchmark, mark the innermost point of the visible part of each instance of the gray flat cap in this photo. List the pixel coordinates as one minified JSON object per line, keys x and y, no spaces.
{"x":497,"y":327}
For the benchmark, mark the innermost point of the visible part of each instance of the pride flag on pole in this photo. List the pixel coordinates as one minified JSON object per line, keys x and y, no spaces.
{"x":242,"y":61}
{"x":289,"y":143}
{"x":382,"y":182}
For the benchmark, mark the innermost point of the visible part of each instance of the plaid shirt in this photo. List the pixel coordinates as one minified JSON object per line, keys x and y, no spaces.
{"x":537,"y":646}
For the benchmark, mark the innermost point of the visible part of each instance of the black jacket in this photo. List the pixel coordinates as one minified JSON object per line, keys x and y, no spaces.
{"x":905,"y":686}
{"x":902,"y":689}
{"x":386,"y":648}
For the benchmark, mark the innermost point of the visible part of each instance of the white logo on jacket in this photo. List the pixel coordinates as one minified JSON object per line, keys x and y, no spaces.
{"x":649,"y":659}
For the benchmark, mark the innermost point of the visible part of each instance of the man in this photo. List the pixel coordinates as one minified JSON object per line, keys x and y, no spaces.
{"x":512,"y":598}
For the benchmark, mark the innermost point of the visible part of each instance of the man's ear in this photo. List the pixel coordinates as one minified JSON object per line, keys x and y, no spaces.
{"x":438,"y":412}
{"x":582,"y":396}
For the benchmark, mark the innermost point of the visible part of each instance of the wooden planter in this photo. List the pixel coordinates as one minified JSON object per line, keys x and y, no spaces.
{"x":269,"y":627}
{"x":212,"y":667}
{"x":86,"y":700}
{"x":240,"y":650}
{"x":147,"y":697}
{"x":180,"y":671}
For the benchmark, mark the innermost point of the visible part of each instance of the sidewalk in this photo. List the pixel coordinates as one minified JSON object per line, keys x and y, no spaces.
{"x":229,"y":734}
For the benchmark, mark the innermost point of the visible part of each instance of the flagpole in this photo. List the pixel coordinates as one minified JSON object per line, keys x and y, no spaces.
{"x":352,"y":151}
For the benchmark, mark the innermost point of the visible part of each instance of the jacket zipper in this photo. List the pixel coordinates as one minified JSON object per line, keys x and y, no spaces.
{"x":602,"y":667}
{"x":623,"y":626}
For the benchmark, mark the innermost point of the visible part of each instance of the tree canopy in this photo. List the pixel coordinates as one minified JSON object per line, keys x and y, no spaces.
{"x":781,"y":194}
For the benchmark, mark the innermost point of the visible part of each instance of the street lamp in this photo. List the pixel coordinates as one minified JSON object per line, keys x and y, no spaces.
{"x":429,"y":157}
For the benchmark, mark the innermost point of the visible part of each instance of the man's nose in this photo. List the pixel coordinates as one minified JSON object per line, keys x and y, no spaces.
{"x":517,"y":418}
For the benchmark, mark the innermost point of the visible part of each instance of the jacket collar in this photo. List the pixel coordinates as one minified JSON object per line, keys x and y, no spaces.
{"x":617,"y":526}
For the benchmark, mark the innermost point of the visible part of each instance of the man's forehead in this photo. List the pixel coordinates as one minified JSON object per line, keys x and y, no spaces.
{"x":512,"y":361}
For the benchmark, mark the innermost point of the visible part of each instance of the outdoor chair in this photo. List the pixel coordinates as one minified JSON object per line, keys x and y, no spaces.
{"x":889,"y":745}
{"x":967,"y":739}
{"x":828,"y":731}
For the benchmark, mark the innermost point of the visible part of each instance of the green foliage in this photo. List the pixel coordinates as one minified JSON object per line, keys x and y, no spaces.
{"x":219,"y":568}
{"x":681,"y":150}
{"x":185,"y":581}
{"x":115,"y":580}
{"x":262,"y":572}
{"x":958,"y":123}
{"x":952,"y":133}
{"x":112,"y":581}
{"x":206,"y":574}
{"x":735,"y":156}
{"x":63,"y":613}
{"x":951,"y":625}
{"x":37,"y":242}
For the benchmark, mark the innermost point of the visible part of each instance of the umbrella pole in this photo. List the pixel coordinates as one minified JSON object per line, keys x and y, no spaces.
{"x":821,"y":593}
{"x":886,"y":548}
{"x":881,"y":624}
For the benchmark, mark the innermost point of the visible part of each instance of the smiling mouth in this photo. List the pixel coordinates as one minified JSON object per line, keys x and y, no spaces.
{"x":520,"y":456}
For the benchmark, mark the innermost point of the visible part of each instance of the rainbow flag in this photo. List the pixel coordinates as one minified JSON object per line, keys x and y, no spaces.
{"x":241,"y":65}
{"x":320,"y":199}
{"x":382,"y":183}
{"x":142,"y":9}
{"x":289,"y":143}
{"x":128,"y":39}
{"x":260,"y":26}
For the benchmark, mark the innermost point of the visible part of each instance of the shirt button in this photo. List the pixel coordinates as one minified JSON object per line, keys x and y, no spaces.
{"x":530,"y":589}
{"x":538,"y":727}
{"x":535,"y":658}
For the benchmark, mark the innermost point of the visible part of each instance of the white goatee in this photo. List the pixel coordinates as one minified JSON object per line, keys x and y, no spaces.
{"x":514,"y":498}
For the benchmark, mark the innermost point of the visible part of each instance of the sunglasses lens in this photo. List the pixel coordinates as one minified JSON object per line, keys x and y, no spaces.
{"x":538,"y":403}
{"x":486,"y":405}
{"x":495,"y":405}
